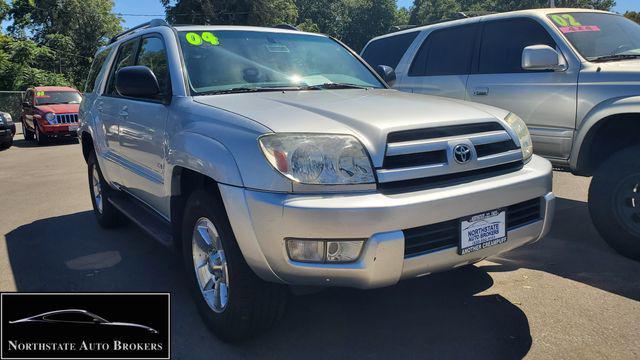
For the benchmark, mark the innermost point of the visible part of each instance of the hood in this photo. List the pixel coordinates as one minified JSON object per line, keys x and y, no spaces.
{"x":624,"y":72}
{"x":59,"y":108}
{"x":114,"y":323}
{"x":367,"y":114}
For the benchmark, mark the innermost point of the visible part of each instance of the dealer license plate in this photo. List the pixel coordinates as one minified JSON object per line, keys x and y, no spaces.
{"x":73,"y":127}
{"x":482,"y":231}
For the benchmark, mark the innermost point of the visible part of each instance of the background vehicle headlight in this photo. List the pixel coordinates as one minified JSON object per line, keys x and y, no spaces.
{"x":50,"y":117}
{"x":7,"y":118}
{"x":522,"y":131}
{"x":318,"y":158}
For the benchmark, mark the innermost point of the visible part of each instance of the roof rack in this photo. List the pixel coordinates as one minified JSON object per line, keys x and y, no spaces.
{"x":149,"y":24}
{"x":286,"y":27}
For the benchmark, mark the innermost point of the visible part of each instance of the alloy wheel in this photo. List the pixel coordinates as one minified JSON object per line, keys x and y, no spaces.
{"x":210,"y":265}
{"x":97,"y":189}
{"x":627,"y":202}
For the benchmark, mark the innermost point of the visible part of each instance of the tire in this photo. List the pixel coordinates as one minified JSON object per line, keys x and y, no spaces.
{"x":614,"y":202}
{"x":252,"y":305}
{"x":41,"y":139}
{"x":106,"y":214}
{"x":6,"y":144}
{"x":28,"y":135}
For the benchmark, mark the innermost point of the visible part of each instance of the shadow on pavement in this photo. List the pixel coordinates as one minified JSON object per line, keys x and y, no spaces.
{"x":439,"y":314}
{"x":574,"y":250}
{"x":22,"y":143}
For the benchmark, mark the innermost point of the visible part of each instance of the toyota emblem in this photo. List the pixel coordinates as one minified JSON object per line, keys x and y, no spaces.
{"x":462,"y":153}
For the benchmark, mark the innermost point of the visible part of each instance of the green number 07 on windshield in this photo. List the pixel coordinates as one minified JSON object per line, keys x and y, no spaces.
{"x":196,"y":39}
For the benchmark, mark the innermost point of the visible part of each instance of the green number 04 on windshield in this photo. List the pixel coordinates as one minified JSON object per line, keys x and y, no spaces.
{"x":196,"y":39}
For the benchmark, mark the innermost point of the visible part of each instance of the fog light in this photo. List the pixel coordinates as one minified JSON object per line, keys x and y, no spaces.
{"x":343,"y":251}
{"x":305,"y":250}
{"x":324,"y":251}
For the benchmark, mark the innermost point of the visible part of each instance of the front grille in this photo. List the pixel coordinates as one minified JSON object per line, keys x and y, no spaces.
{"x":66,"y":118}
{"x":421,"y":155}
{"x":425,"y":239}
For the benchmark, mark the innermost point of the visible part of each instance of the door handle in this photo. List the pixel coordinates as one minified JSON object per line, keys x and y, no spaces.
{"x":99,"y":106}
{"x":481,"y":91}
{"x":124,"y":112}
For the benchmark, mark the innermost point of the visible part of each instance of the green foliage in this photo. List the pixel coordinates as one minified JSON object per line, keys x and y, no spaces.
{"x":633,"y":15}
{"x":21,"y":65}
{"x":231,"y":12}
{"x":366,"y":19}
{"x":72,"y":29}
{"x":330,"y":15}
{"x":308,"y":26}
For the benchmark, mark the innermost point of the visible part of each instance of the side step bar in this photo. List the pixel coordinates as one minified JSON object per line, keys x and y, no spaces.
{"x":148,"y":220}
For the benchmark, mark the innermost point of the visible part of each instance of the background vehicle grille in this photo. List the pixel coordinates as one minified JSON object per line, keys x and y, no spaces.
{"x":446,"y":234}
{"x":66,"y":118}
{"x":427,"y":153}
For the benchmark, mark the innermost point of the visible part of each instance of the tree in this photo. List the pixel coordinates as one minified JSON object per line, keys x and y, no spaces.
{"x":367,"y":19}
{"x":633,"y":15}
{"x":309,"y":26}
{"x":73,"y":29}
{"x":231,"y":12}
{"x":330,"y":15}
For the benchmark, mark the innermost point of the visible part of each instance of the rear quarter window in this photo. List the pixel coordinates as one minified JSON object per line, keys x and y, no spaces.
{"x":97,"y":65}
{"x":447,"y":51}
{"x":389,"y":50}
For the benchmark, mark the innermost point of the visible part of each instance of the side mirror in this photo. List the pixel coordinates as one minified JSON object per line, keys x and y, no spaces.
{"x":387,"y":73}
{"x":137,"y":82}
{"x":541,"y":57}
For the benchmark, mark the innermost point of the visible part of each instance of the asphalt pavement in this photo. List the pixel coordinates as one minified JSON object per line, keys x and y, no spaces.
{"x":567,"y":296}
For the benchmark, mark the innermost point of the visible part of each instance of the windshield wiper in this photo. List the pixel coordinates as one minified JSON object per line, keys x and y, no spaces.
{"x":238,"y":90}
{"x":332,"y":86}
{"x":614,"y":57}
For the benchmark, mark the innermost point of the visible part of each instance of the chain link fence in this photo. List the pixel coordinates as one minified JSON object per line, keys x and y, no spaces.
{"x":11,"y":102}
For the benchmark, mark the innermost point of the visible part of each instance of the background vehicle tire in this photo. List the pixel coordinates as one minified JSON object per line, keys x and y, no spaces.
{"x":6,"y":145}
{"x":28,"y":135}
{"x":614,"y":201}
{"x":252,"y":305}
{"x":106,"y":214}
{"x":41,"y":139}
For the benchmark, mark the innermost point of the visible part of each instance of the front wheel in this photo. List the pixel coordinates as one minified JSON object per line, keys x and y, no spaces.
{"x":41,"y":139}
{"x":614,"y":202}
{"x":233,"y":302}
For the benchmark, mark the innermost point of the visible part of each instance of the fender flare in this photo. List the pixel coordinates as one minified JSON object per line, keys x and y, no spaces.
{"x":203,"y":155}
{"x":607,"y":108}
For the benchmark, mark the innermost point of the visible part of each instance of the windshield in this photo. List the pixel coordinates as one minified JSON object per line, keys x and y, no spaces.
{"x":219,"y":61}
{"x":57,"y":97}
{"x":598,"y":35}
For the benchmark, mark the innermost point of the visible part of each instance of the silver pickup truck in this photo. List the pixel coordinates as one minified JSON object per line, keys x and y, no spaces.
{"x":271,"y":157}
{"x":573,"y":75}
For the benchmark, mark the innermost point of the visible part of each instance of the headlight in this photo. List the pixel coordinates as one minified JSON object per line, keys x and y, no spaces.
{"x":318,"y":159}
{"x":522,"y":131}
{"x":7,"y":118}
{"x":50,"y":117}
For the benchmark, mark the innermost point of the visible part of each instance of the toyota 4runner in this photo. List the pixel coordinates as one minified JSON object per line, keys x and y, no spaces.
{"x":571,"y":74}
{"x":273,"y":157}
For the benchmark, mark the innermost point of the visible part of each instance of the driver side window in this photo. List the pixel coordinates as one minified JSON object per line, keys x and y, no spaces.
{"x":126,"y":57}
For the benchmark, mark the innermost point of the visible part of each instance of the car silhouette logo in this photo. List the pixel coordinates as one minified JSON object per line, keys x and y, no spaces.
{"x":78,"y":316}
{"x":462,"y":153}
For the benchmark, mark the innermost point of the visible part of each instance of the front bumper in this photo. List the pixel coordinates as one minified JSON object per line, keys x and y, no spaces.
{"x":7,"y":131}
{"x":62,"y":130}
{"x":262,"y":220}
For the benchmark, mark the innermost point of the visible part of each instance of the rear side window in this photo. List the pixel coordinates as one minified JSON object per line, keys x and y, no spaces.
{"x":154,"y":56}
{"x":126,"y":57}
{"x":388,"y":51}
{"x":98,"y":62}
{"x":503,"y":42}
{"x":446,"y":52}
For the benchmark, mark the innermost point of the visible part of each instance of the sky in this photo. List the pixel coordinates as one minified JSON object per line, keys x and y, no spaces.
{"x":155,"y":10}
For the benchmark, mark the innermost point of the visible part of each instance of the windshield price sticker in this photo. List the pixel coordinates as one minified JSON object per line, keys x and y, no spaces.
{"x":40,"y":94}
{"x":196,"y":39}
{"x":582,"y":28}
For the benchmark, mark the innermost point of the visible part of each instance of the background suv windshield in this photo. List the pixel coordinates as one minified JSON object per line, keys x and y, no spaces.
{"x":58,"y":97}
{"x":595,"y":35}
{"x":224,"y":60}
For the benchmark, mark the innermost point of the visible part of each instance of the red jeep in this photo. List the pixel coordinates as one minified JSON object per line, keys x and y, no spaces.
{"x":50,"y":112}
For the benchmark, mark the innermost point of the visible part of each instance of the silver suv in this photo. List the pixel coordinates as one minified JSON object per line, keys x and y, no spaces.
{"x":272,"y":157}
{"x":572,"y":75}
